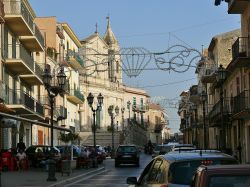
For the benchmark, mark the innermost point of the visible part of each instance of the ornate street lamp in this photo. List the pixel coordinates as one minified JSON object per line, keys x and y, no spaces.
{"x":128,"y":107}
{"x":221,"y":76}
{"x":90,"y":100}
{"x":53,"y":91}
{"x":204,"y":99}
{"x":123,"y":110}
{"x":112,"y":116}
{"x":194,"y":109}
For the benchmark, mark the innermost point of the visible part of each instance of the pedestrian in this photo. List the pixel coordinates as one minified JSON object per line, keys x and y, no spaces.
{"x":21,"y":145}
{"x":21,"y":160}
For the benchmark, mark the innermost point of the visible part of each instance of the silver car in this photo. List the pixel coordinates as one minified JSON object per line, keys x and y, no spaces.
{"x":176,"y":169}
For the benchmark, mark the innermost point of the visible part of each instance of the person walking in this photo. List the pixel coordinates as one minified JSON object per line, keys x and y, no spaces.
{"x":21,"y":160}
{"x":21,"y":145}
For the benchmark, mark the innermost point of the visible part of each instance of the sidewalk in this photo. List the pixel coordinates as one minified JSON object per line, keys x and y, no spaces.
{"x":38,"y":178}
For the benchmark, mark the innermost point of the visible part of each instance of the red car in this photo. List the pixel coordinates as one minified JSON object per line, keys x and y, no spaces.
{"x":222,"y":176}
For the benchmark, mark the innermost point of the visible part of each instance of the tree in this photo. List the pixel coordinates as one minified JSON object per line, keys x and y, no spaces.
{"x":66,"y":138}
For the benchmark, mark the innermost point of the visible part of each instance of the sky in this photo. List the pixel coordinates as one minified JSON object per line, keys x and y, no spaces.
{"x":155,"y":25}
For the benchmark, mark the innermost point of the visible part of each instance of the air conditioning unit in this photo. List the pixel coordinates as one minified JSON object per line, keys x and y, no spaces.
{"x":8,"y":123}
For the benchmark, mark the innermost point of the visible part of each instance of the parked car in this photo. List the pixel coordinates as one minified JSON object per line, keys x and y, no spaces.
{"x":222,"y":176}
{"x":127,"y":154}
{"x":161,"y":150}
{"x":176,"y":169}
{"x":38,"y":153}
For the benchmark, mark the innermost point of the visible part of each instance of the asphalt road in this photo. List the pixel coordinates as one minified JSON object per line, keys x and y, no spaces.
{"x":112,"y":177}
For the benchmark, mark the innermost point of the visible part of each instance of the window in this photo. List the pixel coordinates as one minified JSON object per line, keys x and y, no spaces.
{"x":156,"y":174}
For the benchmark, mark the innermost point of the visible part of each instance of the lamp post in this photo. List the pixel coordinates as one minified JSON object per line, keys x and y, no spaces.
{"x":221,"y":76}
{"x":128,"y":107}
{"x":90,"y":100}
{"x":122,"y":110}
{"x":194,"y":109}
{"x":112,"y":116}
{"x":53,"y":91}
{"x":204,"y":99}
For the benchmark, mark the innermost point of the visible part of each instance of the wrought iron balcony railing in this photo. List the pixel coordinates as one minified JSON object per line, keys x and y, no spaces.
{"x":216,"y":112}
{"x":76,"y":93}
{"x":140,"y":108}
{"x":241,"y":102}
{"x":18,"y":97}
{"x":61,"y":112}
{"x":38,"y":35}
{"x":72,"y":54}
{"x":18,"y":7}
{"x":241,"y":47}
{"x":2,"y":91}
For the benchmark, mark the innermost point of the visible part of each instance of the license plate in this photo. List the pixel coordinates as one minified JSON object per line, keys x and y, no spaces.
{"x":126,"y":156}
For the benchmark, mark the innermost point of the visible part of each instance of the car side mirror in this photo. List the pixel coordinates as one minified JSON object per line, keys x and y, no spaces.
{"x":132,"y":180}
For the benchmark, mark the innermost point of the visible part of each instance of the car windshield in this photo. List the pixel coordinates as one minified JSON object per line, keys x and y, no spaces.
{"x":182,"y":172}
{"x":127,"y":149}
{"x":230,"y":181}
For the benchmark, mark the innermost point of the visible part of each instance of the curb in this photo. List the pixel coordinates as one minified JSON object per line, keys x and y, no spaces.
{"x":76,"y":177}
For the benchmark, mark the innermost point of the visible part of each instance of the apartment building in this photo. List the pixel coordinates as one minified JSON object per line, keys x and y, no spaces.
{"x":21,"y":72}
{"x":156,"y":123}
{"x":62,"y":47}
{"x":236,"y":86}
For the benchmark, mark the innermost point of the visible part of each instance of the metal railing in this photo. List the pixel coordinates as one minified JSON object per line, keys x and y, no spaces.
{"x":140,"y":108}
{"x":17,"y":51}
{"x":216,"y":109}
{"x":240,"y":48}
{"x":18,"y":97}
{"x":77,"y":94}
{"x":38,"y":35}
{"x":18,"y":8}
{"x":2,"y":91}
{"x":61,"y":112}
{"x":39,"y":108}
{"x":241,"y":102}
{"x":75,"y":55}
{"x":39,"y":71}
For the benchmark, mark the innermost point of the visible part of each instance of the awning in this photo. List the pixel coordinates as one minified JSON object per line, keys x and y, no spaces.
{"x":33,"y":121}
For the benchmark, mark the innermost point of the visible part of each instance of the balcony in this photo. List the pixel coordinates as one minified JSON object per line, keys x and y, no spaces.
{"x":2,"y":92}
{"x":75,"y":96}
{"x":140,"y":108}
{"x":19,"y":62}
{"x":240,"y":53}
{"x":24,"y":104}
{"x":19,"y":18}
{"x":237,"y":6}
{"x":194,"y":94}
{"x":34,"y":42}
{"x":74,"y":59}
{"x":215,"y":113}
{"x":61,"y":113}
{"x":2,"y":14}
{"x":208,"y":73}
{"x":241,"y":105}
